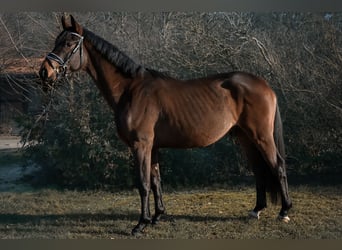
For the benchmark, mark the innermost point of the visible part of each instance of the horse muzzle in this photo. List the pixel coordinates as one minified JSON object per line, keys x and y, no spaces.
{"x":48,"y":76}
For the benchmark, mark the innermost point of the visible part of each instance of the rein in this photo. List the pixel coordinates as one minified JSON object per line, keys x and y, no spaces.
{"x":62,"y":69}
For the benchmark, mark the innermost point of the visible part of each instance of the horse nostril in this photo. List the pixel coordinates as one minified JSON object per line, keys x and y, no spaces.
{"x":43,"y":73}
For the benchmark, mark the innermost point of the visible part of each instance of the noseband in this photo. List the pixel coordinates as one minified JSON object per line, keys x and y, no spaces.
{"x":61,"y":70}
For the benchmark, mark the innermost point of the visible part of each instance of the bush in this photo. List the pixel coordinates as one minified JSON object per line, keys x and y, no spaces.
{"x":75,"y":143}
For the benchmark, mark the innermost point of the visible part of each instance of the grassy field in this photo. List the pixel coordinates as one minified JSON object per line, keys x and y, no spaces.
{"x":199,"y":214}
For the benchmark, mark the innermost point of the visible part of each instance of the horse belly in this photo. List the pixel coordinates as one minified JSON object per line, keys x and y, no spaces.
{"x":197,"y":134}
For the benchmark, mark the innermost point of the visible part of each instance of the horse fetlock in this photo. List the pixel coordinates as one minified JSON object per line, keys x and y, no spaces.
{"x":145,"y":220}
{"x":138,"y":229}
{"x":160,"y":210}
{"x":254,"y":214}
{"x":156,"y":219}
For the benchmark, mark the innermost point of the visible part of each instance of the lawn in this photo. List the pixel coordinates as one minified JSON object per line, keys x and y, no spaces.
{"x":197,"y":214}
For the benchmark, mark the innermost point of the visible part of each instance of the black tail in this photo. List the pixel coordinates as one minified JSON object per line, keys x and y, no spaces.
{"x":278,"y":134}
{"x":273,"y":181}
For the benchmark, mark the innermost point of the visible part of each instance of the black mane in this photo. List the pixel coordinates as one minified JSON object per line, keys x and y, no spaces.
{"x":124,"y":64}
{"x":158,"y":74}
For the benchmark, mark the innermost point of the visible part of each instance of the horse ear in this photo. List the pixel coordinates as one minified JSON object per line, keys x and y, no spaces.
{"x":69,"y":23}
{"x":65,"y":23}
{"x":76,"y":27}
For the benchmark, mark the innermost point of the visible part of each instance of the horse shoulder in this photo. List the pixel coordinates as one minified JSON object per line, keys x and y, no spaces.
{"x":139,"y":111}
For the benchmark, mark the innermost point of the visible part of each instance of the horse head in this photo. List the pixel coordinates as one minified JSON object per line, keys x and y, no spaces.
{"x":67,"y":56}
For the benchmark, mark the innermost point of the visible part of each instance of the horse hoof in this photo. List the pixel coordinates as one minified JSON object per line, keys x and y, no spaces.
{"x":136,"y":232}
{"x":155,"y":222}
{"x":254,"y":214}
{"x":138,"y":229}
{"x":285,"y":219}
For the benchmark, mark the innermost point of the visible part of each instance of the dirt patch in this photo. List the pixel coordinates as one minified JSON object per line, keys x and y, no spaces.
{"x":9,"y":142}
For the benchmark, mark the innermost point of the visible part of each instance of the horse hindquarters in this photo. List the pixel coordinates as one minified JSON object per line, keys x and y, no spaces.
{"x":260,"y":121}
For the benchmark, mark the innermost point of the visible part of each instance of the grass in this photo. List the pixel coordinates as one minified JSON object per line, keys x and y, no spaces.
{"x":199,"y":214}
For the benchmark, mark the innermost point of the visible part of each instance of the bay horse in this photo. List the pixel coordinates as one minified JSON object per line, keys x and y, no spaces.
{"x":153,"y":111}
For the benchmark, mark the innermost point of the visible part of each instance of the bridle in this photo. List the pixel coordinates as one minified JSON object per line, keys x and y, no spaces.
{"x":61,"y":70}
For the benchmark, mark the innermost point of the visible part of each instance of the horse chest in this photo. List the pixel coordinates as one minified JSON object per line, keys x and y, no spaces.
{"x":133,"y":123}
{"x":123,"y":126}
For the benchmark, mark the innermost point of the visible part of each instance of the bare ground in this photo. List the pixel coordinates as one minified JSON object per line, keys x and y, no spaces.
{"x":9,"y":142}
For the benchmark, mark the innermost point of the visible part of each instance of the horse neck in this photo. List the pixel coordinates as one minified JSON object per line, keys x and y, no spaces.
{"x":108,"y":78}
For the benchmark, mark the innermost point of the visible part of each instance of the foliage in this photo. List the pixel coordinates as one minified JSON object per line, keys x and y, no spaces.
{"x":76,"y":144}
{"x":216,"y":165}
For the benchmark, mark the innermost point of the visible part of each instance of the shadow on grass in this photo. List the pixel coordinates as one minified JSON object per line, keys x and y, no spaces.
{"x":46,"y":223}
{"x":55,"y":218}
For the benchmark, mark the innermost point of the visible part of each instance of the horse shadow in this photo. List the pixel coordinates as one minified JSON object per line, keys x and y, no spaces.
{"x":108,"y":220}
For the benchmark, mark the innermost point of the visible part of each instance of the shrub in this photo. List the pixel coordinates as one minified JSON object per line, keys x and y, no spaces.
{"x":75,"y":141}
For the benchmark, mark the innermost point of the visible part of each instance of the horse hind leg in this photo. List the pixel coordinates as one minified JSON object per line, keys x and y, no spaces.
{"x":285,"y":198}
{"x":266,"y":145}
{"x":257,"y":164}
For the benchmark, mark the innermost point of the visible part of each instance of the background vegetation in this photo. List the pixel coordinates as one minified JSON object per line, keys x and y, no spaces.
{"x":74,"y":140}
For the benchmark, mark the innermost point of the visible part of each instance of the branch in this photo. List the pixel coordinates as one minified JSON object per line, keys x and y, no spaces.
{"x":334,"y":106}
{"x":41,"y":25}
{"x":12,"y":40}
{"x":263,"y":50}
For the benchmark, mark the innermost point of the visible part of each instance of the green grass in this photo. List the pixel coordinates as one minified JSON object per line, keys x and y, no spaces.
{"x":200,"y":214}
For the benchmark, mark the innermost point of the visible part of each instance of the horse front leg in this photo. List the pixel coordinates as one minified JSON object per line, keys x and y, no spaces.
{"x":156,"y":187}
{"x":142,"y":156}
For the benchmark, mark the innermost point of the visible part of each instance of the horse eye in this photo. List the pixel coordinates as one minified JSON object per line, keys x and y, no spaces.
{"x":68,"y":44}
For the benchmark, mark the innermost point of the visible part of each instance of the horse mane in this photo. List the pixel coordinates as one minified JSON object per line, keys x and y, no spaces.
{"x":158,"y":74}
{"x":115,"y":56}
{"x":124,"y":63}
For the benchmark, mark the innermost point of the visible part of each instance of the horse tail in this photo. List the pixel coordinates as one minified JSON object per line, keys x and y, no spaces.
{"x":273,"y":184}
{"x":278,"y":134}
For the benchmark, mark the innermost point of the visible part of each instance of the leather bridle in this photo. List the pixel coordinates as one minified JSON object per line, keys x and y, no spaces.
{"x":61,"y":70}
